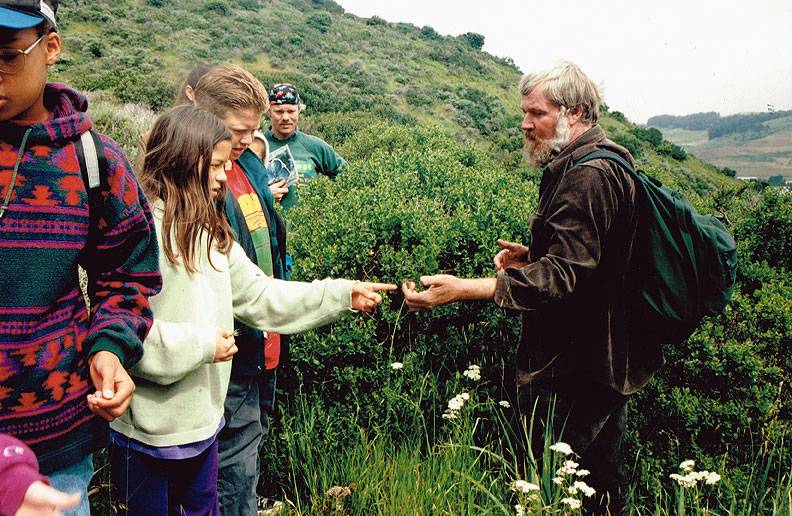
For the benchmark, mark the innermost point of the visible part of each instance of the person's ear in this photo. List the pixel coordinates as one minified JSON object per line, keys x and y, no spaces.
{"x":575,"y":115}
{"x":189,"y":93}
{"x":52,"y":47}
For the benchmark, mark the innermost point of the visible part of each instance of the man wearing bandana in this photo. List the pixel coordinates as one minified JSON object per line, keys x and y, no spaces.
{"x":311,"y":155}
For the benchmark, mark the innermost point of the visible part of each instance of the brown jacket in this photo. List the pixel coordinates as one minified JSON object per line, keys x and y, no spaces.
{"x":574,"y":289}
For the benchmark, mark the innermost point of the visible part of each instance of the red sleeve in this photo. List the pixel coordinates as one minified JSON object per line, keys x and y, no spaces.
{"x":18,"y":469}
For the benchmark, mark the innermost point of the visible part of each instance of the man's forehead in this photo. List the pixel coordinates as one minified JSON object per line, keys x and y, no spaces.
{"x":537,"y":99}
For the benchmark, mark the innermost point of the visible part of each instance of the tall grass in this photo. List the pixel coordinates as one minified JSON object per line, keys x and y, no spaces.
{"x":417,"y":462}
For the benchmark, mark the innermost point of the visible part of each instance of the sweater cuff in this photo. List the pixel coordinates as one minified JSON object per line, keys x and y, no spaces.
{"x":105,"y":344}
{"x":16,"y":481}
{"x":345,"y":292}
{"x":503,"y":296}
{"x":208,"y":345}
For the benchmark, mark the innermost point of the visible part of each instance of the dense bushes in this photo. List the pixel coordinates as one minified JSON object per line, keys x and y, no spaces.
{"x":413,"y":203}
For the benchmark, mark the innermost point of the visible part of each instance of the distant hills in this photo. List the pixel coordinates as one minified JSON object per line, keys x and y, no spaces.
{"x":752,"y":144}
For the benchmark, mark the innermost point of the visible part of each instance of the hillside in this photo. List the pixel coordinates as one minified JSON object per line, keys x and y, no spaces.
{"x":351,"y":71}
{"x":752,"y":144}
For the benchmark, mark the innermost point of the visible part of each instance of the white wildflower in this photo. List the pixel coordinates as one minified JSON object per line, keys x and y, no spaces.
{"x":569,"y":468}
{"x":712,"y":478}
{"x":473,"y":372}
{"x":521,"y":486}
{"x":562,"y":448}
{"x":504,"y":404}
{"x":449,"y":415}
{"x":571,"y":502}
{"x":687,"y":465}
{"x":684,"y":481}
{"x":583,"y":488}
{"x":397,"y":365}
{"x":582,"y":473}
{"x":455,"y":404}
{"x":558,"y":480}
{"x":465,"y":396}
{"x":518,"y":510}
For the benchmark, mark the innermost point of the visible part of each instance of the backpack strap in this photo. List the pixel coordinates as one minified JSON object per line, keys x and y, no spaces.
{"x":605,"y":154}
{"x":93,"y":167}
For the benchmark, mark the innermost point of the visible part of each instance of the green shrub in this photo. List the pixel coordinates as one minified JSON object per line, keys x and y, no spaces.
{"x":376,"y":20}
{"x":648,"y":134}
{"x":414,"y":202}
{"x":765,"y":235}
{"x":618,"y":115}
{"x":473,"y":39}
{"x":218,"y":6}
{"x":629,"y":142}
{"x":319,"y":21}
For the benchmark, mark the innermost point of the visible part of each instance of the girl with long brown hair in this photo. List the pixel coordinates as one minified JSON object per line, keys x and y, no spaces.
{"x":164,"y":448}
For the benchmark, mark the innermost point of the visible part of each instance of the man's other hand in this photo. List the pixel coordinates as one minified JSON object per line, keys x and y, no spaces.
{"x":511,"y":255}
{"x":113,"y":385}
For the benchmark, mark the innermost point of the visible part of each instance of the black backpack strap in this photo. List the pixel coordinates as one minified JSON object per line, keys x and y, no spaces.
{"x":93,"y":167}
{"x":604,"y":154}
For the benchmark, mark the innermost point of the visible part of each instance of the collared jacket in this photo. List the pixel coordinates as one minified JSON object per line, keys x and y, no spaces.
{"x":574,"y":290}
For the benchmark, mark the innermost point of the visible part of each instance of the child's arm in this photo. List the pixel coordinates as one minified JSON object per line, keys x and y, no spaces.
{"x":173,"y":350}
{"x":284,"y":306}
{"x":122,"y":266}
{"x":123,"y":271}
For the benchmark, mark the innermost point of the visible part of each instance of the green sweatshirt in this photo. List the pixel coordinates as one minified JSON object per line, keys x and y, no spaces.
{"x":180,"y":390}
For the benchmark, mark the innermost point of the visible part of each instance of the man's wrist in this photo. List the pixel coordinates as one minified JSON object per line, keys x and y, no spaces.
{"x":477,"y":289}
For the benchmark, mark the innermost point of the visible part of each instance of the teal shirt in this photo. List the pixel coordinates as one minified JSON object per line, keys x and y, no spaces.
{"x":312,"y":156}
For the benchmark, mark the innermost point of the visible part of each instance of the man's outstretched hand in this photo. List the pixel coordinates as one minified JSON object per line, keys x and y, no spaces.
{"x":440,"y":289}
{"x":365,"y":297}
{"x":113,"y":385}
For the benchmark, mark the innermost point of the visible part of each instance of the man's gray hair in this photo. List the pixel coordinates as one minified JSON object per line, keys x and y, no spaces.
{"x":567,"y":86}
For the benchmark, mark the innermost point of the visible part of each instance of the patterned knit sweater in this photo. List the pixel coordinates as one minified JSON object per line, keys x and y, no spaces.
{"x":46,"y":334}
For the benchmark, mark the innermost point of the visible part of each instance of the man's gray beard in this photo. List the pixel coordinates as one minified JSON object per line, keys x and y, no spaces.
{"x":540,"y":152}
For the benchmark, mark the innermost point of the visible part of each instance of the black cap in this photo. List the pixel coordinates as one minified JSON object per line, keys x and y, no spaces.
{"x":26,"y":14}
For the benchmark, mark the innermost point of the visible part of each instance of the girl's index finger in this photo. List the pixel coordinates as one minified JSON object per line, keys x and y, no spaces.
{"x":381,"y":286}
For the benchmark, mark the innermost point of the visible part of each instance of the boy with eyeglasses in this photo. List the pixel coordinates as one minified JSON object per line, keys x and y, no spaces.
{"x":63,"y":371}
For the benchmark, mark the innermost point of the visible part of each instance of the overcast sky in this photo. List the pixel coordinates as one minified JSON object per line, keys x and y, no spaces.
{"x":652,"y":57}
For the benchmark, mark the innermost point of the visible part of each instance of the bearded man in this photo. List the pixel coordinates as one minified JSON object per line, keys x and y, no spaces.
{"x":578,"y":349}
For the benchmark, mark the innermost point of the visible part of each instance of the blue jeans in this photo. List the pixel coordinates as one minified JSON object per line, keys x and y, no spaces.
{"x":248,"y":405}
{"x":75,"y":479}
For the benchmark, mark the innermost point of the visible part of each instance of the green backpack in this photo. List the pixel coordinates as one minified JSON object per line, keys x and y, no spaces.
{"x":684,"y":263}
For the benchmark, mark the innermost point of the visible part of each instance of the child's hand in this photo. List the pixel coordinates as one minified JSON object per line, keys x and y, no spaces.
{"x":114,"y":387}
{"x":365,"y":297}
{"x":225,"y":348}
{"x":43,"y":499}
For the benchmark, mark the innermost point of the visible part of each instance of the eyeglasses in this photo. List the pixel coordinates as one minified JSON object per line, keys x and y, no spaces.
{"x":12,"y":60}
